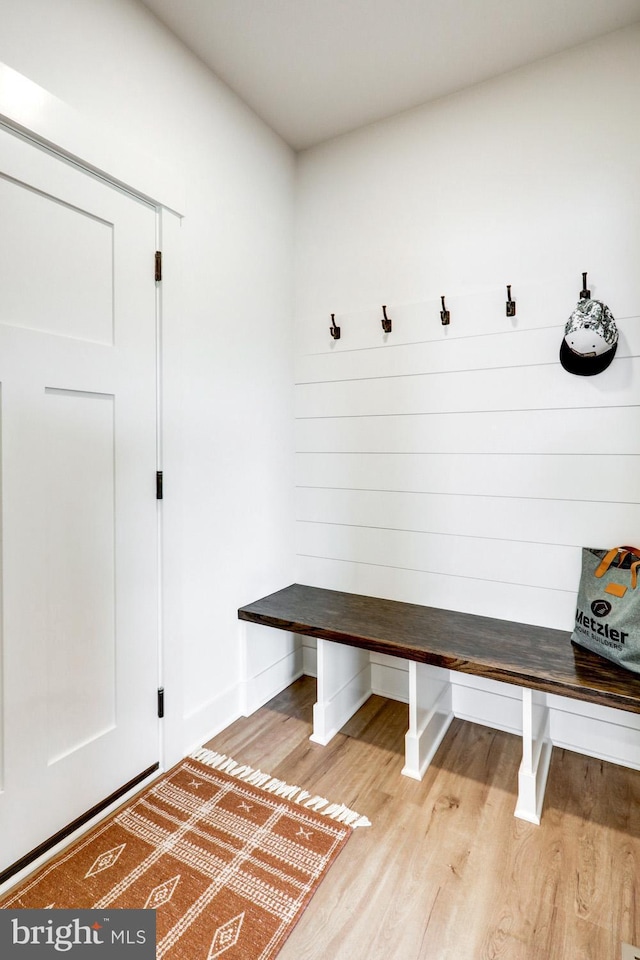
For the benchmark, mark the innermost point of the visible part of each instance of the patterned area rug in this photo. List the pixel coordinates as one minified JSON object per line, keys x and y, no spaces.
{"x":227,"y":856}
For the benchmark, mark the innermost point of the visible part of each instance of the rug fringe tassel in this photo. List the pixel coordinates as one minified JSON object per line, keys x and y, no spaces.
{"x":256,"y":778}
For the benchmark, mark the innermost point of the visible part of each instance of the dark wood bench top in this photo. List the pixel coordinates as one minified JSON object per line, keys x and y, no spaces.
{"x":519,"y":653}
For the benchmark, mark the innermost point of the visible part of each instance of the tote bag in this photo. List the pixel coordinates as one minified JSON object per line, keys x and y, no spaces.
{"x":608,"y":608}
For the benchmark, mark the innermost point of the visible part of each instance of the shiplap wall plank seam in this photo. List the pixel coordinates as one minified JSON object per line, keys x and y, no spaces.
{"x":520,"y":348}
{"x":435,"y":532}
{"x":324,"y":379}
{"x":527,"y":604}
{"x":339,"y":348}
{"x":457,"y":576}
{"x":454,"y":453}
{"x":453,"y":413}
{"x":590,"y":478}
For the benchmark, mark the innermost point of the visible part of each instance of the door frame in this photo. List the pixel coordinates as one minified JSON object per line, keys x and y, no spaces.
{"x":33,"y":112}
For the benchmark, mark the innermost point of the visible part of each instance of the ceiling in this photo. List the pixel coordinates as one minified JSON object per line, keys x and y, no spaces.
{"x":313,"y":69}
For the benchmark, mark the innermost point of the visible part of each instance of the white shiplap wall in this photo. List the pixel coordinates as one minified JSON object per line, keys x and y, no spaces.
{"x":462,"y":467}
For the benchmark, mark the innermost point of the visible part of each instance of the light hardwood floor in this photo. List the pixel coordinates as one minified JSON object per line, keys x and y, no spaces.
{"x":446,"y":872}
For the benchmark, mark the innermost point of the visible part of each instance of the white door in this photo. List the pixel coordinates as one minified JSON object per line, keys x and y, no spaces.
{"x":78,"y":644}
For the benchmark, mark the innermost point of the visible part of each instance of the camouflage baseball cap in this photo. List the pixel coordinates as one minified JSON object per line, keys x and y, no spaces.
{"x":590,"y":339}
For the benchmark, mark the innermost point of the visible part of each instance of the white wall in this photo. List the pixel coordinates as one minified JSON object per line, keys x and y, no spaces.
{"x":461,"y":466}
{"x":228,"y":442}
{"x":454,"y":466}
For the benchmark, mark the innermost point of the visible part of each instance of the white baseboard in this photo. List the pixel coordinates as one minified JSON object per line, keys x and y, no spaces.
{"x":488,"y":702}
{"x":329,"y":717}
{"x":244,"y":698}
{"x":390,"y":680}
{"x":600,"y":732}
{"x":257,"y":690}
{"x":210,"y":719}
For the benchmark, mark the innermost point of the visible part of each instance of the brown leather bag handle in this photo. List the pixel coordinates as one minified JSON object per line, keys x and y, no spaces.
{"x":633,"y":550}
{"x":609,"y":557}
{"x":624,"y":553}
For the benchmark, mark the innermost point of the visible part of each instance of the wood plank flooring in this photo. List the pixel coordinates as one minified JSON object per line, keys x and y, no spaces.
{"x":446,"y":872}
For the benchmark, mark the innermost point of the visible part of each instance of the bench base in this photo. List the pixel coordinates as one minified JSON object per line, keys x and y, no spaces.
{"x":430,"y":716}
{"x":344,"y":685}
{"x":536,"y":756}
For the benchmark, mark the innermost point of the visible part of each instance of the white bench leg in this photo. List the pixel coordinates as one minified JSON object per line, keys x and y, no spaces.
{"x":536,"y":755}
{"x":244,"y":668}
{"x":430,"y":714}
{"x":267,"y":665}
{"x":344,"y":684}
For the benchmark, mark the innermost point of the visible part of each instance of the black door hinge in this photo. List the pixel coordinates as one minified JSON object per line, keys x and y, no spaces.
{"x":159,"y":485}
{"x":158,"y":265}
{"x":160,"y":702}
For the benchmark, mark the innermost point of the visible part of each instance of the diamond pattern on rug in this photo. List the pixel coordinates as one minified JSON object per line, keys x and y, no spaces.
{"x":105,"y":861}
{"x":225,"y":857}
{"x":226,"y":937}
{"x":162,"y":893}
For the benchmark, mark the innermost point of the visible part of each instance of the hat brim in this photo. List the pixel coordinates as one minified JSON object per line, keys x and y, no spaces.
{"x":585,"y":366}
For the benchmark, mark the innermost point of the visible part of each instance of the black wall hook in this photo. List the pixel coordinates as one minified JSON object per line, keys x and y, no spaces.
{"x":386,"y":321}
{"x":584,"y":293}
{"x":445,"y":315}
{"x":511,"y":304}
{"x":333,"y":330}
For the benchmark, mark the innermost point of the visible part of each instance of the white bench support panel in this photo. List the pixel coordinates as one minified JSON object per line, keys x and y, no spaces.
{"x":344,"y":684}
{"x":430,"y":714}
{"x":269,"y":661}
{"x":536,"y":755}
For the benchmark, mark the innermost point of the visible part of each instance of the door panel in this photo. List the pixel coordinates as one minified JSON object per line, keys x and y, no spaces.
{"x":80,"y":568}
{"x":78,"y":645}
{"x":68,"y":246}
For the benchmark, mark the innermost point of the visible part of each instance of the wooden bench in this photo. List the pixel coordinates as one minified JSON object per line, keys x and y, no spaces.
{"x":538,"y":660}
